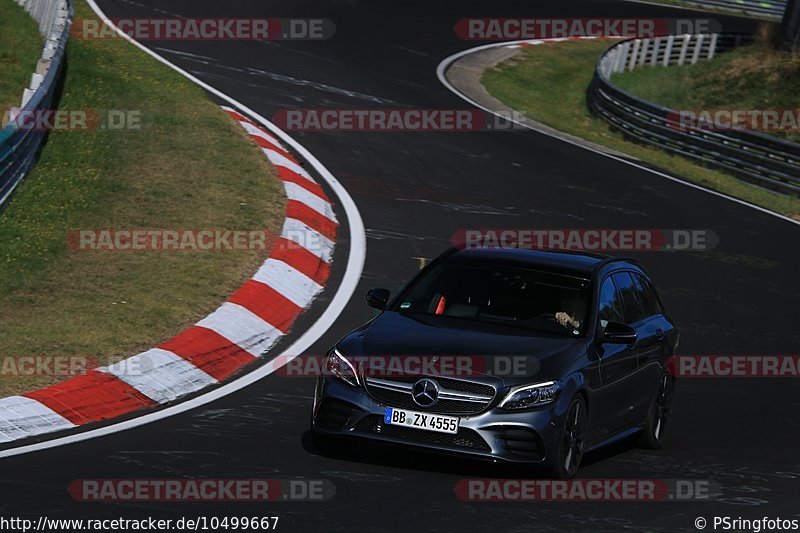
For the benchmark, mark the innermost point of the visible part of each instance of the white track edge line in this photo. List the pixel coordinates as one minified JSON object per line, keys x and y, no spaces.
{"x":354,"y":268}
{"x":441,"y":69}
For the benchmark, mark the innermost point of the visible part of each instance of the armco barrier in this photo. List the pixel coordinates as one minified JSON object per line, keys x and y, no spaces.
{"x":769,"y":8}
{"x":19,"y":148}
{"x":762,"y":159}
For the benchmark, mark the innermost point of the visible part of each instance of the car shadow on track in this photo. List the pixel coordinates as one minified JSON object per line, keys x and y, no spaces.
{"x":387,"y":455}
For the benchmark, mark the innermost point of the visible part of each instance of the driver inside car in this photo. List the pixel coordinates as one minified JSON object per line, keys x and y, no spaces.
{"x":572,"y":310}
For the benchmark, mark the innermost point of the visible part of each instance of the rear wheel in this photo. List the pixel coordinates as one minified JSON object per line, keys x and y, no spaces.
{"x":658,"y":418}
{"x":570,"y":441}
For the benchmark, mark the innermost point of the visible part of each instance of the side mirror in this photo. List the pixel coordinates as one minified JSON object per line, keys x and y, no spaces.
{"x":378,"y":298}
{"x":616,"y":333}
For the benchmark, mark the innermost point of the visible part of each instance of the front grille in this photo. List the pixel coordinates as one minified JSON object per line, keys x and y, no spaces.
{"x":465,"y":438}
{"x":449,"y":383}
{"x":481,"y":394}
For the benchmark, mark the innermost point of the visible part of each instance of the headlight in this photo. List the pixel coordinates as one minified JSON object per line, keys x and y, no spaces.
{"x":337,"y":365}
{"x":531,"y":395}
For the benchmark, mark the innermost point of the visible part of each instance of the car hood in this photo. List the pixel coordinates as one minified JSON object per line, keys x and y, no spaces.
{"x":492,"y":349}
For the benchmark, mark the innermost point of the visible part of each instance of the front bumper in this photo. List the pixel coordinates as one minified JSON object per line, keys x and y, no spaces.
{"x":495,"y":434}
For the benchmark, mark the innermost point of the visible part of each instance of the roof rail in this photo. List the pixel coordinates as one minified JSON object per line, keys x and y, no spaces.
{"x":614,"y":259}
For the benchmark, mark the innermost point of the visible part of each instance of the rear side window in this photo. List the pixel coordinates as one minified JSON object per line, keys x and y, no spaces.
{"x":629,"y":292}
{"x":648,"y":297}
{"x":611,"y":309}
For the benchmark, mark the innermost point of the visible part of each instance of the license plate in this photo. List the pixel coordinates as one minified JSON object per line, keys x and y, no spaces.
{"x":426,"y":421}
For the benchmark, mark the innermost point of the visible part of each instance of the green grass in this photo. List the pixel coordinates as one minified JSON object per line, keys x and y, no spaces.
{"x":751,"y":77}
{"x":548,"y":83}
{"x":190,"y":166}
{"x":20,"y":48}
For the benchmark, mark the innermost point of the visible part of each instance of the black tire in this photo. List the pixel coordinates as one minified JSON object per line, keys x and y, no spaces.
{"x":570,"y":441}
{"x":655,"y":426}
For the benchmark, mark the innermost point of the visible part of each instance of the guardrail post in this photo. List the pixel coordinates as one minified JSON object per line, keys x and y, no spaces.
{"x":36,"y":81}
{"x":622,"y":56}
{"x":634,"y":55}
{"x":656,"y":47}
{"x":607,"y":64}
{"x":712,"y":49}
{"x":668,"y":51}
{"x":644,"y":52}
{"x":684,"y":47}
{"x":697,"y":48}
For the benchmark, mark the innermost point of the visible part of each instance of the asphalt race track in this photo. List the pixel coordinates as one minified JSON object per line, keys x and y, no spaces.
{"x":414,"y":190}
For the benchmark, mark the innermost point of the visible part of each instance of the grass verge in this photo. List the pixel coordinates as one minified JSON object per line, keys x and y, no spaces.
{"x":189,"y":166}
{"x":751,"y":77}
{"x":548,"y":83}
{"x":20,"y":48}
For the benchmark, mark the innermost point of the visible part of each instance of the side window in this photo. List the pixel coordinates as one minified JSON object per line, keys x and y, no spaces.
{"x":610,"y":304}
{"x":648,"y":296}
{"x":630,"y":297}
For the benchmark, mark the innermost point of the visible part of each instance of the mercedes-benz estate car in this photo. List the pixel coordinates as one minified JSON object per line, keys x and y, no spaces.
{"x":583,"y":340}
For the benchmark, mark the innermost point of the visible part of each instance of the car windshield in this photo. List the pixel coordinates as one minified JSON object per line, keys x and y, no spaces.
{"x":500,"y":294}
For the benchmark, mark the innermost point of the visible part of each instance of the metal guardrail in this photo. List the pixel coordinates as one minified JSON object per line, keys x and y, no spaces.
{"x":20,"y":147}
{"x":770,"y":9}
{"x":762,"y":159}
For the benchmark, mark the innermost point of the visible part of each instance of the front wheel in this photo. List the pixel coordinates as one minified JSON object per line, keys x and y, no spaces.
{"x":570,"y":441}
{"x":658,"y":417}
